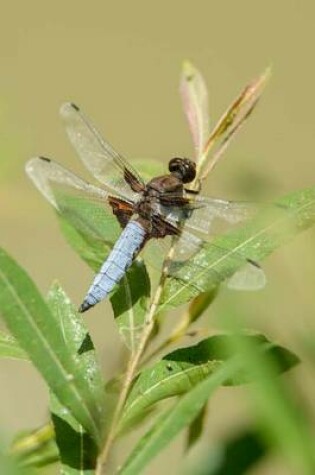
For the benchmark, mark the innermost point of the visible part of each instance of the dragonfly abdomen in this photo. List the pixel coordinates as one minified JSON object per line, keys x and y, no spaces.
{"x":116,"y":265}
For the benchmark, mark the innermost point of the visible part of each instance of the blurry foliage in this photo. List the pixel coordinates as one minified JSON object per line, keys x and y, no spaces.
{"x":89,"y":414}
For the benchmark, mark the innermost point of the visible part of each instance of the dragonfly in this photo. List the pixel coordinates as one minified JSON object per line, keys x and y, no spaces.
{"x":161,"y":209}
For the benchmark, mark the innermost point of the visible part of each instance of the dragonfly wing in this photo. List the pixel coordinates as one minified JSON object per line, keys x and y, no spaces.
{"x":210,"y":216}
{"x":48,"y":176}
{"x":215,"y":216}
{"x":84,"y":206}
{"x":99,"y":157}
{"x":249,"y":277}
{"x":201,"y":264}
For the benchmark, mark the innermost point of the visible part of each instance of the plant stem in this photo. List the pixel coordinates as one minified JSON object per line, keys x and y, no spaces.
{"x":133,"y":364}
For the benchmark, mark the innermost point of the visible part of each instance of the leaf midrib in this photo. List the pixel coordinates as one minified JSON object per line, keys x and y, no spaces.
{"x":63,"y":372}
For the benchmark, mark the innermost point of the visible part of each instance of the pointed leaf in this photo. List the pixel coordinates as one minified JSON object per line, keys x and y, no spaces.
{"x":77,"y":449}
{"x":38,"y":332}
{"x":181,"y":370}
{"x":230,"y":123}
{"x":194,"y":95}
{"x":174,"y":420}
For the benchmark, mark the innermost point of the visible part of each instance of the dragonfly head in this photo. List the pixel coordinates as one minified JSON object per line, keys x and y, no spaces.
{"x":184,"y":168}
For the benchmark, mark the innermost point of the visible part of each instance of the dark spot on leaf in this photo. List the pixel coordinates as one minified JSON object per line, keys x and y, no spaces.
{"x":86,"y":345}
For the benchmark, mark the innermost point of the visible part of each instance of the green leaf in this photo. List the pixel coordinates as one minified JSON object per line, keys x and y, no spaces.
{"x":181,"y":370}
{"x":200,"y":303}
{"x":130,"y":304}
{"x":9,"y":348}
{"x":174,"y":420}
{"x":221,"y":258}
{"x":78,"y":450}
{"x":40,"y":335}
{"x":35,"y":448}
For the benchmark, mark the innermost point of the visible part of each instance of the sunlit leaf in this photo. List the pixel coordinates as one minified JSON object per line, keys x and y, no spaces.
{"x":130,"y":304}
{"x":195,"y":103}
{"x":36,"y":329}
{"x":172,"y":421}
{"x":181,"y":370}
{"x":230,"y":123}
{"x":9,"y":348}
{"x":77,"y":449}
{"x":225,"y":255}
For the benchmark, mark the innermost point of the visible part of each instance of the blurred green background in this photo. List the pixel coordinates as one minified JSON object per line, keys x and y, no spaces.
{"x":120,"y":61}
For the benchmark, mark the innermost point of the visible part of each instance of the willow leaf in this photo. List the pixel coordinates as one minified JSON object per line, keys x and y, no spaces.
{"x":130,"y":303}
{"x":30,"y":321}
{"x":172,"y":421}
{"x":230,"y":123}
{"x":77,"y":449}
{"x":179,"y":371}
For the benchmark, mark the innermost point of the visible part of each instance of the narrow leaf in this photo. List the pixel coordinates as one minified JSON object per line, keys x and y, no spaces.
{"x":221,"y":258}
{"x":200,"y":304}
{"x":130,"y":304}
{"x":231,"y":122}
{"x":174,"y":420}
{"x":194,"y":95}
{"x":9,"y":348}
{"x":37,"y":331}
{"x":181,"y":370}
{"x":78,"y":451}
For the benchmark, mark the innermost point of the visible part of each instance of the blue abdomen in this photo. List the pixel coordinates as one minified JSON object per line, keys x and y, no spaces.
{"x":115,"y":266}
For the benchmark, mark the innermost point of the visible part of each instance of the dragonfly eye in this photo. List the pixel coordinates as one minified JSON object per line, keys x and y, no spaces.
{"x":183,"y":167}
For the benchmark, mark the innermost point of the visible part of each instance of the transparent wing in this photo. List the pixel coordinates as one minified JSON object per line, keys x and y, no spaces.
{"x":210,"y":262}
{"x":215,"y":216}
{"x":85,"y":206}
{"x":102,"y":161}
{"x":198,"y":263}
{"x":210,"y":216}
{"x":48,"y":176}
